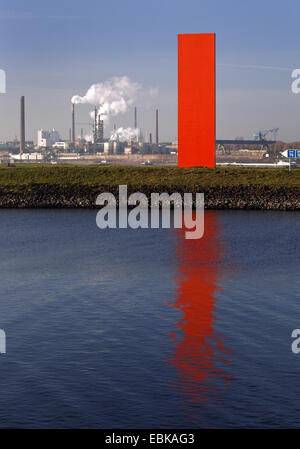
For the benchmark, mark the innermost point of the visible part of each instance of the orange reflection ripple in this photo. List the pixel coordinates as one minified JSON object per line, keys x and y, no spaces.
{"x":200,"y":356}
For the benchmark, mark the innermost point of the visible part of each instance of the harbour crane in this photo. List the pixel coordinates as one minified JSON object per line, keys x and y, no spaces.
{"x":259,"y":139}
{"x":261,"y":135}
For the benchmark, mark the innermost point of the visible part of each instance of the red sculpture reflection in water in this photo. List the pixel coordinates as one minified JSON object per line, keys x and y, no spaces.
{"x":200,"y":356}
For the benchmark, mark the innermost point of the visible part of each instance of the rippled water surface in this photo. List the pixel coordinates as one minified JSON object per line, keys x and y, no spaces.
{"x":144,"y":329}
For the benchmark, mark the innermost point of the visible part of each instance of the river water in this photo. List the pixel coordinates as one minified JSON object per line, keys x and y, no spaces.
{"x":144,"y":329}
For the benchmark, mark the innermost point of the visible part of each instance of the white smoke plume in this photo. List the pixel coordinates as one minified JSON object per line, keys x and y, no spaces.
{"x":112,"y":97}
{"x":105,"y":118}
{"x":88,"y":137}
{"x":125,"y":134}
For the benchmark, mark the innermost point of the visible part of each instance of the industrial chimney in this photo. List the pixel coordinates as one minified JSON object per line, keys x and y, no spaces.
{"x":156,"y":137}
{"x":135,"y":118}
{"x":95,"y":125}
{"x":100,"y":129}
{"x":73,"y":124}
{"x":22,"y":126}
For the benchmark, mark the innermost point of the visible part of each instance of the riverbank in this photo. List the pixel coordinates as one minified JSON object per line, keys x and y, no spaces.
{"x":46,"y":186}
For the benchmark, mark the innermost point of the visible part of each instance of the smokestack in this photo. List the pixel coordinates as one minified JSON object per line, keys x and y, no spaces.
{"x":135,"y":118}
{"x":150,"y":138}
{"x":95,"y":125}
{"x":156,"y":137}
{"x":100,"y":129}
{"x":73,"y":123}
{"x":22,"y":126}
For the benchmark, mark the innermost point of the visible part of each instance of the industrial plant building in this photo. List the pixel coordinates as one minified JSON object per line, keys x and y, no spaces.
{"x":121,"y":141}
{"x":46,"y":139}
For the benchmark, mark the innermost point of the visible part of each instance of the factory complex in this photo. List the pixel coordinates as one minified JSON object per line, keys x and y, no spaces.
{"x":124,"y":145}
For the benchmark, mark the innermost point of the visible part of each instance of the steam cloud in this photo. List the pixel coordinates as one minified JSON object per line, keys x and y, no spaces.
{"x":112,"y":97}
{"x":125,"y":134}
{"x":88,"y":138}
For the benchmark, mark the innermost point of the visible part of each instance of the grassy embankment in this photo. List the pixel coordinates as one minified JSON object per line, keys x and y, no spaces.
{"x":67,"y":186}
{"x":156,"y":177}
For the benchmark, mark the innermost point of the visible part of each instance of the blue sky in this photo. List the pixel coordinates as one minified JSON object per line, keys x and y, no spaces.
{"x":56,"y":49}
